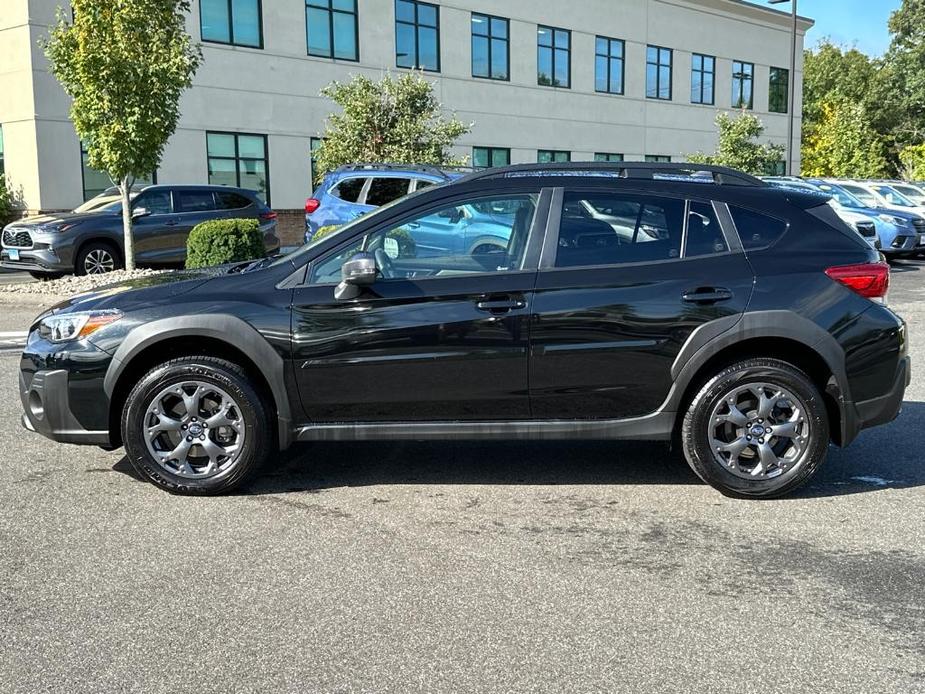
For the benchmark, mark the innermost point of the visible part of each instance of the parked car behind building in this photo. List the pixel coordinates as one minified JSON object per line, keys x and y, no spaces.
{"x":89,"y":240}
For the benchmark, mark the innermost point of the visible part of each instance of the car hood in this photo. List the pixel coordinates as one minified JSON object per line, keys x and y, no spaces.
{"x":56,"y":217}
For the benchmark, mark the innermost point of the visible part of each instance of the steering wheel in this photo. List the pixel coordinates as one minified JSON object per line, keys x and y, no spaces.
{"x":384,"y":263}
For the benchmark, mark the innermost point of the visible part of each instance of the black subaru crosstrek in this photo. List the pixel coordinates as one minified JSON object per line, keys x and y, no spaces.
{"x":626,"y":301}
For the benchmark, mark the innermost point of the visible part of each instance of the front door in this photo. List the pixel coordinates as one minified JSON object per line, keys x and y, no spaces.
{"x":436,"y":338}
{"x":150,"y":228}
{"x":630,"y":277}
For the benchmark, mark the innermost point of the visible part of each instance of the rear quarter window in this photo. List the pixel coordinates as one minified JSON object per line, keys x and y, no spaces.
{"x":349,"y":189}
{"x":231,"y":201}
{"x":757,"y":230}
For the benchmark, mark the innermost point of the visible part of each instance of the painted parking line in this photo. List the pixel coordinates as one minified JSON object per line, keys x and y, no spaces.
{"x":15,"y":333}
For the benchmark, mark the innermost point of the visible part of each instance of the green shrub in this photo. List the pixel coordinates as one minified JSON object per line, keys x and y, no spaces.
{"x":324,"y":231}
{"x":7,"y":209}
{"x":220,"y":241}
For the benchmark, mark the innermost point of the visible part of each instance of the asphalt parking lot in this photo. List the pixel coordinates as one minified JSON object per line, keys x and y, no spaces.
{"x":465,"y":567}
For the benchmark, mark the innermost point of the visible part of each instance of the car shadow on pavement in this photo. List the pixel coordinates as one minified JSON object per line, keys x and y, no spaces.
{"x":882,"y":458}
{"x":905,"y":266}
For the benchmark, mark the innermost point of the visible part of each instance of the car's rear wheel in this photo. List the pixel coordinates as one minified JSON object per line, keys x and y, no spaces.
{"x":97,"y":258}
{"x":196,"y":425}
{"x":759,"y":428}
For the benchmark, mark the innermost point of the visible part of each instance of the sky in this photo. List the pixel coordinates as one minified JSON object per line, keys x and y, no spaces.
{"x":861,"y":23}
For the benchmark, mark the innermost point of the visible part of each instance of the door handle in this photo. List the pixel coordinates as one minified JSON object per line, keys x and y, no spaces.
{"x":171,"y":222}
{"x":707,"y":295}
{"x":500,"y":305}
{"x":413,"y":225}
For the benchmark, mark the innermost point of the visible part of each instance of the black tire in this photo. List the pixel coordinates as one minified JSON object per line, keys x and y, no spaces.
{"x":696,"y":430}
{"x":47,"y":276}
{"x":97,"y":252}
{"x":258,"y":443}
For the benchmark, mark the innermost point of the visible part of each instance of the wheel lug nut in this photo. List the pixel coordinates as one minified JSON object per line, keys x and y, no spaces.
{"x":760,"y":440}
{"x":748,"y":438}
{"x":767,"y":431}
{"x":189,"y":438}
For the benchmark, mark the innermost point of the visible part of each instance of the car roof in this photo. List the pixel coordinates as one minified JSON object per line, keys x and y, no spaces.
{"x":201,"y":187}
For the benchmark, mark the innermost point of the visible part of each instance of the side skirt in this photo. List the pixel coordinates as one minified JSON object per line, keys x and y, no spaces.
{"x":654,"y":427}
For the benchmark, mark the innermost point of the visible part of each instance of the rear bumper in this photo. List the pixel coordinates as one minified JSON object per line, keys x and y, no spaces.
{"x":880,"y":410}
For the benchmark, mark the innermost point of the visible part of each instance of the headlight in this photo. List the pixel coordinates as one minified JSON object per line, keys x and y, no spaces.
{"x":75,"y":326}
{"x":898,"y":221}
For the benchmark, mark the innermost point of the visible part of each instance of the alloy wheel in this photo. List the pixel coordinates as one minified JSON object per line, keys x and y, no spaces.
{"x":760,"y":431}
{"x":194,"y":429}
{"x":99,"y":261}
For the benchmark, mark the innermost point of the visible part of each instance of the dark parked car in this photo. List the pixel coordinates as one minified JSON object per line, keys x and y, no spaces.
{"x":89,"y":240}
{"x":746,"y":323}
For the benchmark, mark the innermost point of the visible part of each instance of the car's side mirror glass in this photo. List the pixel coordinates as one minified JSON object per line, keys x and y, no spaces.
{"x":358,"y":272}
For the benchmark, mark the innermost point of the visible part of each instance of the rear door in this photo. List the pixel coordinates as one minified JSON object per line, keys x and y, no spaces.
{"x":435,"y":339}
{"x":612,"y":309}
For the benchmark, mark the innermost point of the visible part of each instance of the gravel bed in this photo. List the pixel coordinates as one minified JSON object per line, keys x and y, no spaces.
{"x":71,"y":284}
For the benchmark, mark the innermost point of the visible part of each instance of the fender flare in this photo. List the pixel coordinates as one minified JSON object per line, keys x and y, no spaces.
{"x":235,"y":332}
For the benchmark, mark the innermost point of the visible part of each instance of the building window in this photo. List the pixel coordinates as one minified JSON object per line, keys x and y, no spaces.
{"x":240,"y":160}
{"x":2,"y":168}
{"x":236,"y":22}
{"x":552,"y":156}
{"x":490,"y":157}
{"x":608,"y":65}
{"x":95,"y":181}
{"x":742,"y":82}
{"x":658,"y":73}
{"x":658,"y":158}
{"x":780,"y":168}
{"x":553,"y":59}
{"x":490,"y":47}
{"x":417,"y":35}
{"x":703,"y":71}
{"x":332,"y":29}
{"x":779,"y":90}
{"x":606,"y":156}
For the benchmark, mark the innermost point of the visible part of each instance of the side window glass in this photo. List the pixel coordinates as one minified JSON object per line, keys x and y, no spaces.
{"x":482,"y":236}
{"x":231,"y":201}
{"x":422,"y":184}
{"x":155,"y":202}
{"x":194,"y":201}
{"x":349,"y":190}
{"x":614,"y":229}
{"x":384,"y":190}
{"x":704,"y":235}
{"x":756,"y":230}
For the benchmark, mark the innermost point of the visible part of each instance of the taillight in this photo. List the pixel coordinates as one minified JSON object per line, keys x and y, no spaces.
{"x":269,"y":215}
{"x":311,"y":205}
{"x":870,"y":280}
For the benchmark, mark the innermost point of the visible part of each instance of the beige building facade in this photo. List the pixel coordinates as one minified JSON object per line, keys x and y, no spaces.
{"x":539,"y":79}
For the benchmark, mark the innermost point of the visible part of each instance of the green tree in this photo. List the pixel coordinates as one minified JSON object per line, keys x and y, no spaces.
{"x":394,"y":120}
{"x":912,"y":163}
{"x":904,"y":65}
{"x":125,"y":64}
{"x":844,"y":144}
{"x":739,"y":146}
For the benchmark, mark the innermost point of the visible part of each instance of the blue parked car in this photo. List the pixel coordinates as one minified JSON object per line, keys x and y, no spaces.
{"x":352,"y":191}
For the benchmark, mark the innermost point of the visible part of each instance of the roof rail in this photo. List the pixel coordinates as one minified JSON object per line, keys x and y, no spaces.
{"x":422,"y":168}
{"x":721,"y":175}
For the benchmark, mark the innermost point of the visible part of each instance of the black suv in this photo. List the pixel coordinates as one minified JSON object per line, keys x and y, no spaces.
{"x":632,"y":301}
{"x":89,"y":240}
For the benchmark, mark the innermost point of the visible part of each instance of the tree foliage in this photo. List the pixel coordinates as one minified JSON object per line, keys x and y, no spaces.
{"x":912,"y":163}
{"x":904,"y":64}
{"x":7,"y":208}
{"x":844,"y":144}
{"x":394,"y":120}
{"x":739,"y":146}
{"x":125,"y":64}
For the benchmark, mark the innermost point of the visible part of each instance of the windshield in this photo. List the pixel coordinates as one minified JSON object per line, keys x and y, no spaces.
{"x":103,"y":203}
{"x":842,"y":196}
{"x":869,"y":199}
{"x":894,"y":197}
{"x":911,"y":193}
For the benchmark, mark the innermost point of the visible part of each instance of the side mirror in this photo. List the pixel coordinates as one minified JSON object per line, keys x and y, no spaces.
{"x":140,"y":212}
{"x":358,"y":272}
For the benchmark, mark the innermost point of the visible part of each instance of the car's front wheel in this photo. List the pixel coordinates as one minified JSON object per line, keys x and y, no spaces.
{"x":196,"y":425}
{"x":97,"y":258}
{"x":759,"y":428}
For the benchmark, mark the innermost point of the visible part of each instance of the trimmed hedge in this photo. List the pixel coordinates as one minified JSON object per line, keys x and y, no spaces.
{"x":221,"y":241}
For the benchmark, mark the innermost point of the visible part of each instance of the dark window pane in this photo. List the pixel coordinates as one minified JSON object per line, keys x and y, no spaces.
{"x":250,"y":146}
{"x":704,"y":235}
{"x":498,"y":59}
{"x":427,"y":46}
{"x":480,"y":56}
{"x":500,"y":157}
{"x":404,"y":11}
{"x":616,"y":76}
{"x":562,"y":74}
{"x":756,"y":230}
{"x":384,"y":190}
{"x":652,"y":81}
{"x":349,"y":190}
{"x":345,"y":5}
{"x":480,"y":25}
{"x":220,"y":145}
{"x":404,"y":45}
{"x":498,"y":28}
{"x":480,"y":157}
{"x":600,"y":73}
{"x":223,"y":172}
{"x":231,"y":201}
{"x":427,"y":15}
{"x":544,"y":66}
{"x":613,"y":229}
{"x":194,"y":201}
{"x":562,"y":39}
{"x":544,"y":36}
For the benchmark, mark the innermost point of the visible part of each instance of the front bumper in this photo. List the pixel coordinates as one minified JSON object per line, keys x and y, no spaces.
{"x":46,"y":410}
{"x":34,"y":260}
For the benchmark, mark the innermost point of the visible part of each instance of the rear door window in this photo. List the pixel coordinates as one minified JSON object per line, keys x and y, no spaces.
{"x":349,"y":190}
{"x":194,"y":201}
{"x":231,"y":201}
{"x":755,"y":229}
{"x":704,"y":234}
{"x":384,"y":190}
{"x":600,"y":228}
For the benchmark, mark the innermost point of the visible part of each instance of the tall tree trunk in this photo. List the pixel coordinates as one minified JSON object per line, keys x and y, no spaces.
{"x":125,"y":187}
